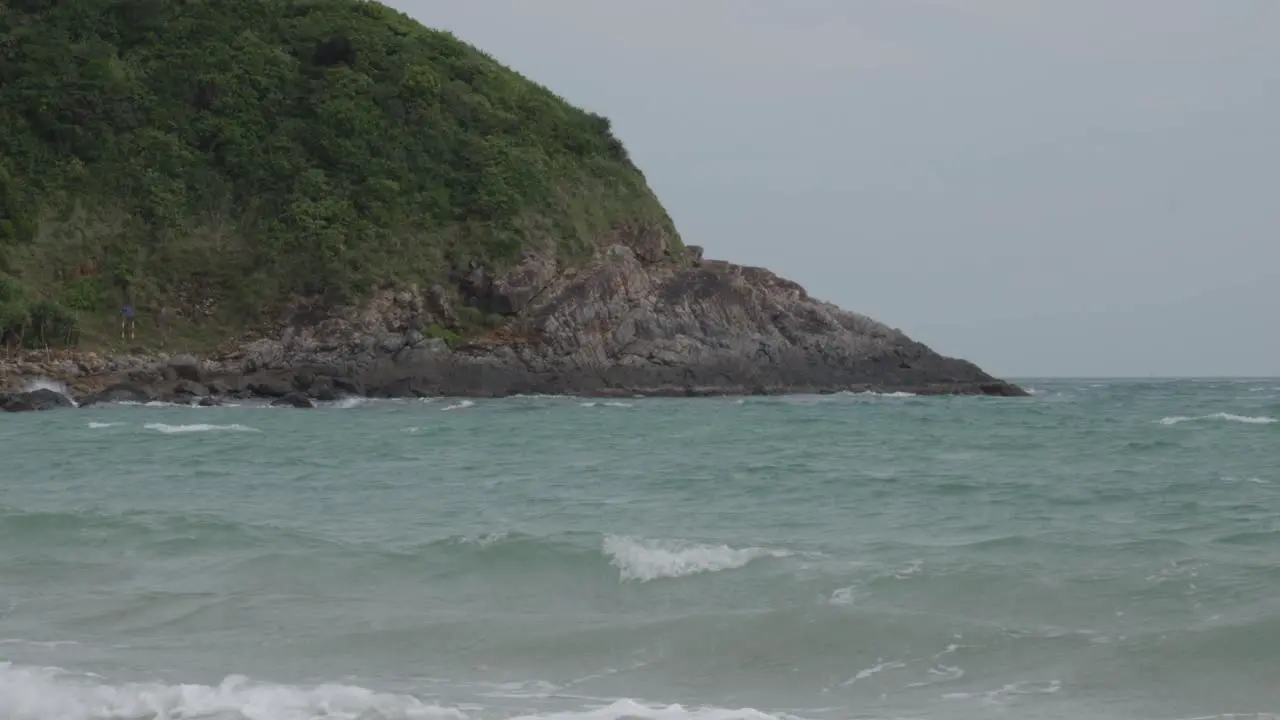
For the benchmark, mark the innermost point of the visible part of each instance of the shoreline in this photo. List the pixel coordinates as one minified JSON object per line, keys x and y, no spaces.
{"x":87,"y":379}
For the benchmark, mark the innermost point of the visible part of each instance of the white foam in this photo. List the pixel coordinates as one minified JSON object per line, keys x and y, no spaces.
{"x":460,"y":406}
{"x":644,"y":560}
{"x":876,"y":669}
{"x":614,"y":404}
{"x":912,"y":568}
{"x":46,"y":384}
{"x":485,"y":540}
{"x":51,"y":694}
{"x":940,"y":674}
{"x":201,"y":427}
{"x":29,"y":693}
{"x":348,"y":403}
{"x":1228,"y":417}
{"x":98,"y":425}
{"x":841,"y":596}
{"x":632,"y":710}
{"x":1007,"y":692}
{"x":48,"y":644}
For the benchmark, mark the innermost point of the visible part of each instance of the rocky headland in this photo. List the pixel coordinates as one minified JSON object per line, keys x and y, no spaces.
{"x":635,"y":320}
{"x":307,"y":199}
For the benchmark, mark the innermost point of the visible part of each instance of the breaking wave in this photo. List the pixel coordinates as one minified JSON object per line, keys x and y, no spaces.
{"x":644,"y":560}
{"x":197,"y":428}
{"x":46,"y":384}
{"x":1227,"y":417}
{"x":31,"y":693}
{"x":52,"y":694}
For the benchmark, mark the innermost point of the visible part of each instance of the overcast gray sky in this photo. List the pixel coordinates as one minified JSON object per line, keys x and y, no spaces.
{"x":1068,"y":188}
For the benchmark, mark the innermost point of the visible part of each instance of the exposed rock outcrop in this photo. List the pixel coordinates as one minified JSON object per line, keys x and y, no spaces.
{"x":633,"y":322}
{"x":641,"y":318}
{"x":34,"y":401}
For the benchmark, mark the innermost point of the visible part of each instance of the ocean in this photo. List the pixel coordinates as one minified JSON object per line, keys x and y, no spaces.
{"x":1104,"y":549}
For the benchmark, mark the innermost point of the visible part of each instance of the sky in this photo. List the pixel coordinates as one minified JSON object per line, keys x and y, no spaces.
{"x":1068,"y":189}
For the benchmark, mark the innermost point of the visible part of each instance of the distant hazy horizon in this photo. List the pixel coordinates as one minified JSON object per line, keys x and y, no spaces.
{"x":1047,"y":189}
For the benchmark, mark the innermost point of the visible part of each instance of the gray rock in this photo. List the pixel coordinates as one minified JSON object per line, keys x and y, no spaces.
{"x":121,"y":392}
{"x":642,"y":316}
{"x":323,"y":390}
{"x":513,"y":292}
{"x":186,"y":367}
{"x":34,"y":401}
{"x":349,"y":386}
{"x":624,"y":324}
{"x":270,"y":387}
{"x":294,"y":400}
{"x":189,"y":388}
{"x":390,"y":342}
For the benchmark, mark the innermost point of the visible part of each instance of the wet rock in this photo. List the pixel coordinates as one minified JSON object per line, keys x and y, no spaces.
{"x":293,"y":400}
{"x":323,"y":389}
{"x":15,"y":402}
{"x":121,"y":392}
{"x":271,"y":387}
{"x":189,"y":389}
{"x":349,"y":386}
{"x":35,"y":401}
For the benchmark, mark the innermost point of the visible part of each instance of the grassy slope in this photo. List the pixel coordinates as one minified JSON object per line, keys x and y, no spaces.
{"x":219,"y":157}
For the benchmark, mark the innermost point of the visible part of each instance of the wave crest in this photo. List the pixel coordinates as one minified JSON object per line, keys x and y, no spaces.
{"x":28,"y":693}
{"x":643,"y":560}
{"x":201,"y":427}
{"x":1227,"y":417}
{"x":53,"y":694}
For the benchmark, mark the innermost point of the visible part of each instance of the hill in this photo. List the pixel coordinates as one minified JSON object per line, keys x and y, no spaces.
{"x":325,"y":197}
{"x":213,"y":161}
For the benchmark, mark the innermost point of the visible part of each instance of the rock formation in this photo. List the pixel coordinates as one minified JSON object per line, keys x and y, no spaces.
{"x":635,"y":320}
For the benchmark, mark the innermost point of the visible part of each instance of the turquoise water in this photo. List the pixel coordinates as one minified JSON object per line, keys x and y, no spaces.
{"x":1101,"y":550}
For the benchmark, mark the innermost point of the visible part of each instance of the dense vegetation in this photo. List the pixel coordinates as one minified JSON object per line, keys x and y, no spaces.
{"x":219,"y":157}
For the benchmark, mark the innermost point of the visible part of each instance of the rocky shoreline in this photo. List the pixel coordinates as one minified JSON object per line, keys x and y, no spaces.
{"x":639,"y":319}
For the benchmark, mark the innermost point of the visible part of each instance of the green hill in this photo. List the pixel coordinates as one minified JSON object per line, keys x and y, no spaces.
{"x":221,"y":157}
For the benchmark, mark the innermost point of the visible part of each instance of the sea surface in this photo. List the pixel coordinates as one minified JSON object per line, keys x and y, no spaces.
{"x":1104,"y":549}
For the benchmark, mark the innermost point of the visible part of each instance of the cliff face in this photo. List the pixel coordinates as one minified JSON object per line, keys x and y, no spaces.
{"x":635,"y":320}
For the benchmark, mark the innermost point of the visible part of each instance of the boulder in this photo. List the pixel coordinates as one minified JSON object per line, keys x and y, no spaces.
{"x":349,"y":386}
{"x":294,"y":400}
{"x":322,"y":389}
{"x":121,"y":392}
{"x":15,"y":403}
{"x":34,"y":401}
{"x":271,"y":387}
{"x":189,"y":388}
{"x":186,"y":367}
